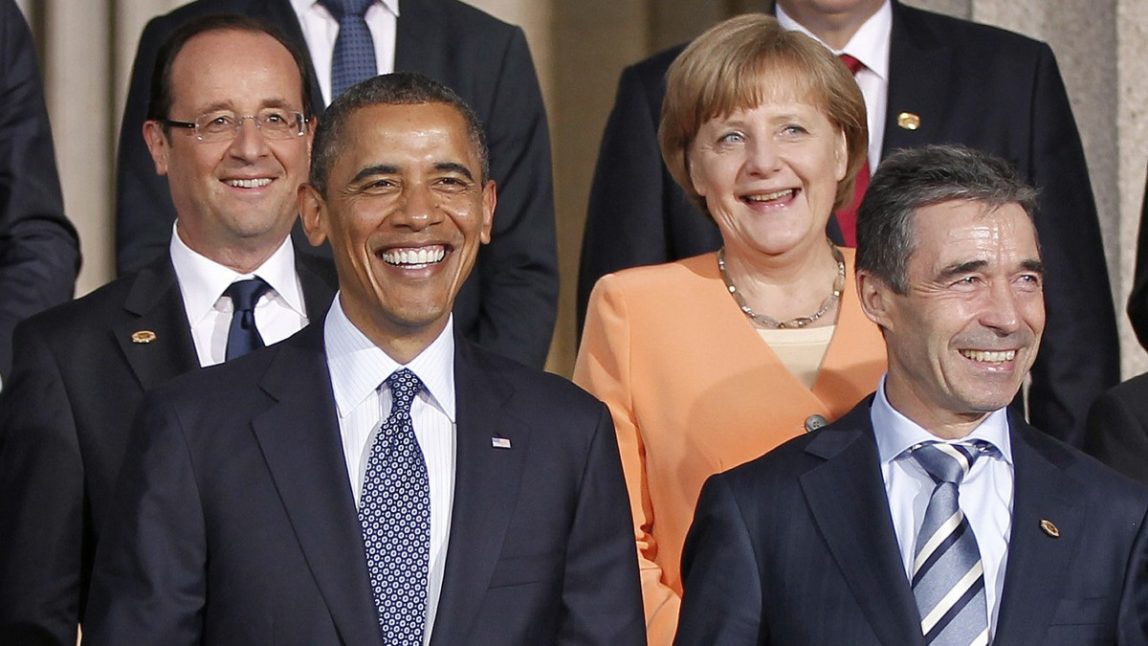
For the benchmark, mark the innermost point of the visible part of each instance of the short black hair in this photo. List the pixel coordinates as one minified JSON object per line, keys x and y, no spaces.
{"x":400,"y":88}
{"x":912,"y":179}
{"x":159,"y":100}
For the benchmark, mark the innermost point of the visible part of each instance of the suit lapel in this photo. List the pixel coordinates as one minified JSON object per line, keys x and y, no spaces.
{"x":918,"y":74}
{"x":486,"y":485}
{"x":300,"y":439}
{"x":1037,"y":562}
{"x":156,"y":341}
{"x":317,"y":291}
{"x":860,"y":534}
{"x":419,"y":45}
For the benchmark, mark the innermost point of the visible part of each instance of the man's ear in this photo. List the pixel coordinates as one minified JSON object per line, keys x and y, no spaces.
{"x":876,"y":298}
{"x":489,"y":201}
{"x":157,"y":144}
{"x":313,"y":212}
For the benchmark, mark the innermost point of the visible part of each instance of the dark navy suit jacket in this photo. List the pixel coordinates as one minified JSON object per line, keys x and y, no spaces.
{"x":798,"y":547}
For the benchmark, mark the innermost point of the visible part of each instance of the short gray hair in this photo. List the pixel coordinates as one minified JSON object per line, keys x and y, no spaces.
{"x":912,"y":179}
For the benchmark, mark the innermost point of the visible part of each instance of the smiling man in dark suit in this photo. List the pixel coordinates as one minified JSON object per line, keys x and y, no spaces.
{"x":927,"y":79}
{"x":510,"y":302}
{"x":930,"y":514}
{"x":377,"y":478}
{"x":228,"y":131}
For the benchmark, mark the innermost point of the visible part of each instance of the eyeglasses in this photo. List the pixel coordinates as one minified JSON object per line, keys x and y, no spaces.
{"x":224,"y":125}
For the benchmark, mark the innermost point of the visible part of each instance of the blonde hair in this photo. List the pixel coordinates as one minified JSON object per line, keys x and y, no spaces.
{"x":733,"y":66}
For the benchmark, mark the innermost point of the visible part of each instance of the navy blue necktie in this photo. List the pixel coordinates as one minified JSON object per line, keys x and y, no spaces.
{"x":243,"y":336}
{"x":394,"y":513}
{"x":354,"y":57}
{"x":948,"y":576}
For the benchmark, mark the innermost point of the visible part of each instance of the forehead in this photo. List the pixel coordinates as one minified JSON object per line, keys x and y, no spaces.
{"x":397,"y":134}
{"x":226,"y":66}
{"x":774,"y":82}
{"x":961,"y":231}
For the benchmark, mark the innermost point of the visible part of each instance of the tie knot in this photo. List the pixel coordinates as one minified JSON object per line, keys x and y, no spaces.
{"x":853,"y":64}
{"x":948,"y":462}
{"x":404,"y":385}
{"x":244,"y":294}
{"x":347,"y":8}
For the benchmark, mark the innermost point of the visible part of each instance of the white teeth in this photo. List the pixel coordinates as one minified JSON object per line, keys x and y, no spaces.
{"x":249,"y":183}
{"x":419,"y":257}
{"x":769,"y":197}
{"x":989,"y":357}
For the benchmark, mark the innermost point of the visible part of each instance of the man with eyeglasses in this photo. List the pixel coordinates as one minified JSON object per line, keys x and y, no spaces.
{"x":228,"y":128}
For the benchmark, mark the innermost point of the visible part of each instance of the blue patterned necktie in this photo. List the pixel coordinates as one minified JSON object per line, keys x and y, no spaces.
{"x":243,"y":336}
{"x":354,"y":57}
{"x":394,"y":513}
{"x":948,"y":576}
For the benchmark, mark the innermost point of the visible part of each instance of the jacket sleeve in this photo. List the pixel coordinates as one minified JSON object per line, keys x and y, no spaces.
{"x":603,"y":368}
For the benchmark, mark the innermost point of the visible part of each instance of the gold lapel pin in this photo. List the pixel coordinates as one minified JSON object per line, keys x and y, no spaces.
{"x":1048,"y":527}
{"x":908,"y":121}
{"x":143,"y":336}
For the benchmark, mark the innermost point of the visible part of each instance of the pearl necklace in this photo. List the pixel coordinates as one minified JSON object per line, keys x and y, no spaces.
{"x":799,"y":322}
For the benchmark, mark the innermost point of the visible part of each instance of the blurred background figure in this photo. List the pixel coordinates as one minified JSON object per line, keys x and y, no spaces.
{"x":926,"y":78}
{"x":509,"y":304}
{"x":39,"y":250}
{"x":713,"y":360}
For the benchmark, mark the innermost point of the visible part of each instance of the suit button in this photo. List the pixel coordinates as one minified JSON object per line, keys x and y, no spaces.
{"x":814,"y":422}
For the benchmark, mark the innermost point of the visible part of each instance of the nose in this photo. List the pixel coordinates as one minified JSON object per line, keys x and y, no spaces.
{"x":1003,"y":307}
{"x":249,"y":142}
{"x":762,"y":156}
{"x":419,"y":209}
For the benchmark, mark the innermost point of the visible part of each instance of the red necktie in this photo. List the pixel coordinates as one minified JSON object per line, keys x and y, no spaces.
{"x":847,"y":216}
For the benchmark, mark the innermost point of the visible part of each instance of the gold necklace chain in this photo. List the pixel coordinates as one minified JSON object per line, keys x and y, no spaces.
{"x":799,"y":322}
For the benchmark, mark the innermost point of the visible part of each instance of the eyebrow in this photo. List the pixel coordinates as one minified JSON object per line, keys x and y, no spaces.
{"x":1031,"y":264}
{"x":454,"y":167}
{"x":228,"y":105}
{"x":371,"y":171}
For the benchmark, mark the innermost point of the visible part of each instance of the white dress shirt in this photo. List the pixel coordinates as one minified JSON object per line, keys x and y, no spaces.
{"x":279,"y":313}
{"x":358,"y":371}
{"x":870,"y":45}
{"x":320,"y":29}
{"x":986,"y":493}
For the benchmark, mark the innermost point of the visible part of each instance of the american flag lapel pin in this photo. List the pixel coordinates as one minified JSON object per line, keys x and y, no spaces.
{"x":500,"y":442}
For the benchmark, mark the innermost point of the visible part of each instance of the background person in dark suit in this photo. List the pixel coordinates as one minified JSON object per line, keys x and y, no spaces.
{"x":938,"y":72}
{"x":81,"y":369}
{"x":39,"y":250}
{"x":1138,"y":299}
{"x":510,"y":302}
{"x":260,"y":493}
{"x":1118,"y":428}
{"x":1024,"y":541}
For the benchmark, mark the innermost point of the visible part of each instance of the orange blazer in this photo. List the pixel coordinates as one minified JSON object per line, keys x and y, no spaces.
{"x":694,"y":390}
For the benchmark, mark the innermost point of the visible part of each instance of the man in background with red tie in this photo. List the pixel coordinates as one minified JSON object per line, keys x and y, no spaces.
{"x":926,"y":78}
{"x":229,"y":128}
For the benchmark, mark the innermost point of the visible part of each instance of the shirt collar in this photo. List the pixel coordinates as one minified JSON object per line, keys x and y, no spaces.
{"x":358,"y":367}
{"x":202,"y":281}
{"x":870,"y":44}
{"x":896,"y":433}
{"x":302,"y":6}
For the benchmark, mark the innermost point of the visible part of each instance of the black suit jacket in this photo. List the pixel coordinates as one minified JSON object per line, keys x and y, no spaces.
{"x":1118,"y":428}
{"x":798,"y":547}
{"x":510,"y":301}
{"x":1138,"y":299}
{"x":238,"y":525}
{"x":64,"y":422}
{"x":39,"y":250}
{"x":941,"y":69}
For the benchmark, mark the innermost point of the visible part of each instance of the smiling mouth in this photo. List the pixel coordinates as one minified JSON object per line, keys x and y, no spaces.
{"x":768,"y":198}
{"x":414,"y":257}
{"x":248,"y":183}
{"x":989,"y":356}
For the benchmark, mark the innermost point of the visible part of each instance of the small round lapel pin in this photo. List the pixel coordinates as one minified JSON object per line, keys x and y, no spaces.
{"x":908,"y":121}
{"x":143,"y":336}
{"x":1048,"y":527}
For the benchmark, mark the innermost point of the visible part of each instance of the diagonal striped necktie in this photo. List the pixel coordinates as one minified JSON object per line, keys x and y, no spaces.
{"x":948,"y":576}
